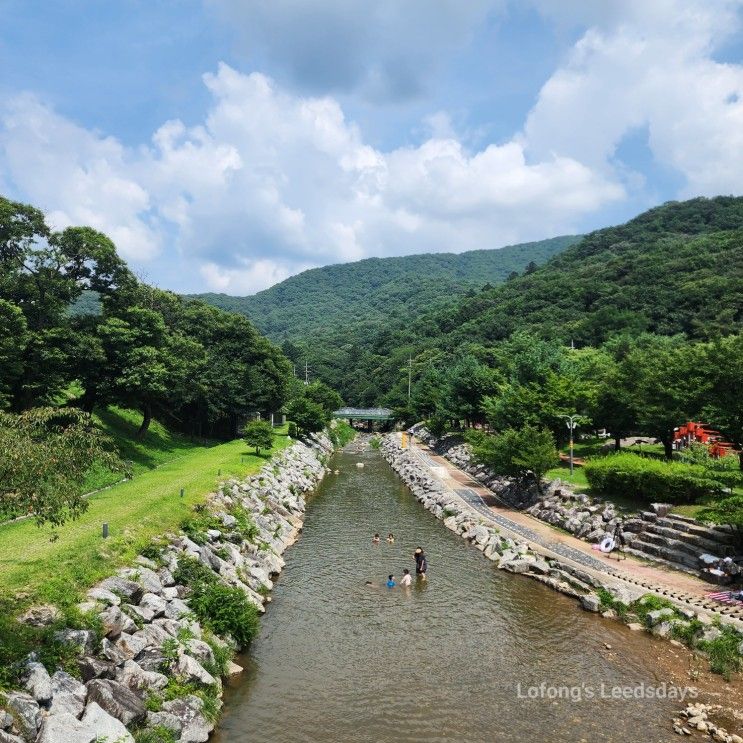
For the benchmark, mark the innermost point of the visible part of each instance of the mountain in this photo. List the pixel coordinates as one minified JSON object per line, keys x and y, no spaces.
{"x":675,"y":269}
{"x":360,"y":297}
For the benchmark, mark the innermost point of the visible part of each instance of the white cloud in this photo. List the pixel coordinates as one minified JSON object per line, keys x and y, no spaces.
{"x":649,"y":64}
{"x":271,"y":183}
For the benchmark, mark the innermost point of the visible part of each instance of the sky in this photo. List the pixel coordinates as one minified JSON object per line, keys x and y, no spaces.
{"x":227,"y":144}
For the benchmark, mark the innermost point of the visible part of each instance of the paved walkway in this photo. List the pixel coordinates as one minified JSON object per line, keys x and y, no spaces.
{"x":550,"y":541}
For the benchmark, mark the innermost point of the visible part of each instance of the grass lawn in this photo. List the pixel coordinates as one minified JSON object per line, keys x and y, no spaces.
{"x":35,"y":567}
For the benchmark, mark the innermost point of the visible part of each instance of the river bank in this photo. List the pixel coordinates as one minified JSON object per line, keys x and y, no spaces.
{"x":159,"y":635}
{"x":572,"y":575}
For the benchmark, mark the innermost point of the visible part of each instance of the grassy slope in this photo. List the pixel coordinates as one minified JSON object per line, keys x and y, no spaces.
{"x":34,"y":567}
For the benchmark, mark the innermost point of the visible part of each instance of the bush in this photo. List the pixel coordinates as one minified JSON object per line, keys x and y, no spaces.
{"x":650,"y":479}
{"x":258,"y":434}
{"x":225,"y":610}
{"x":516,"y":453}
{"x":191,"y":572}
{"x":723,"y":652}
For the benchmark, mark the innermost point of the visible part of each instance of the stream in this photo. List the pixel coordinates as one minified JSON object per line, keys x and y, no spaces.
{"x":450,"y":659}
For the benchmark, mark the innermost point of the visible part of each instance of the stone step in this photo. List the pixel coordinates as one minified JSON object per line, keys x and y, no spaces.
{"x":666,"y":553}
{"x":662,"y":540}
{"x":719,"y":534}
{"x":694,"y":543}
{"x":666,"y":563}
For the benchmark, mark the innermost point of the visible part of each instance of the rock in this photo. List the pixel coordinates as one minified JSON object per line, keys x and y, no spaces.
{"x":591,"y":602}
{"x":43,"y":615}
{"x":6,"y":720}
{"x":195,"y":727}
{"x":136,"y":678}
{"x":115,"y":622}
{"x":83,"y":639}
{"x":112,"y":652}
{"x":200,"y":650}
{"x":540,"y":567}
{"x":176,"y":608}
{"x":6,"y":737}
{"x":517,"y":566}
{"x":154,"y":603}
{"x":104,"y":595}
{"x":144,"y":576}
{"x":25,"y":709}
{"x":233,"y":669}
{"x":131,"y":591}
{"x":165,"y":720}
{"x":38,"y":683}
{"x":145,"y":562}
{"x":144,"y":613}
{"x":130,"y":646}
{"x":711,"y":634}
{"x":65,"y":728}
{"x":154,"y":635}
{"x":93,"y":668}
{"x":658,"y":614}
{"x":190,"y":670}
{"x":106,"y":727}
{"x":151,"y":659}
{"x":117,"y":699}
{"x":69,"y":695}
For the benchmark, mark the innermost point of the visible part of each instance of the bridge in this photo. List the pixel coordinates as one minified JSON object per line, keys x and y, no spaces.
{"x":365,"y":414}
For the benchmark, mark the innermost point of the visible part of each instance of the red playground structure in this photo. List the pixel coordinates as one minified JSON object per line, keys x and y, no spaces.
{"x":701,"y":433}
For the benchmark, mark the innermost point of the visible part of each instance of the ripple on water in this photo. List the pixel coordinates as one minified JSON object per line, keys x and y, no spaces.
{"x":338,"y":661}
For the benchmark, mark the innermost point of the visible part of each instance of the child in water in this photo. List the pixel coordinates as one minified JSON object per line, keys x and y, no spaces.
{"x":391,"y":581}
{"x":376,"y":539}
{"x":390,"y":538}
{"x":406,"y":579}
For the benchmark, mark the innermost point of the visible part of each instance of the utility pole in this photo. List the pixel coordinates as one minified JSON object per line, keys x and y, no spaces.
{"x":571,"y":421}
{"x":410,"y":375}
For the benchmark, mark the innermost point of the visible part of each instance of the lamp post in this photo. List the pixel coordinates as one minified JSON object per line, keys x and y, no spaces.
{"x":571,"y":421}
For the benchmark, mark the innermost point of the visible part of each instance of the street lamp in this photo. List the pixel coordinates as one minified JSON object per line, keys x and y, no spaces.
{"x":571,"y":421}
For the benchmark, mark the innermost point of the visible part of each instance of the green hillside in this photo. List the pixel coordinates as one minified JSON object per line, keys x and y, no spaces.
{"x":356,"y":298}
{"x":676,"y":269}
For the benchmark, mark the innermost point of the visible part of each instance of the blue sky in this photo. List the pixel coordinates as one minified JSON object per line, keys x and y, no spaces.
{"x":227,"y":144}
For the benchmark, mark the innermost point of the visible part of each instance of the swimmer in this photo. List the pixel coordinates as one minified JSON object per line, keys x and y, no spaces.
{"x":406,"y":578}
{"x":376,"y":539}
{"x":390,"y":538}
{"x":391,"y":581}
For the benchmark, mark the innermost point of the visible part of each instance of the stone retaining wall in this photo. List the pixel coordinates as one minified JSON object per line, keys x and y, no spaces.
{"x":151,"y":639}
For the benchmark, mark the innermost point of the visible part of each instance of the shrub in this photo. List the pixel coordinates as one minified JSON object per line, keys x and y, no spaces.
{"x":225,"y":610}
{"x":258,"y":434}
{"x":649,"y":479}
{"x":723,"y":652}
{"x":191,"y":572}
{"x":158,"y":734}
{"x":516,"y":453}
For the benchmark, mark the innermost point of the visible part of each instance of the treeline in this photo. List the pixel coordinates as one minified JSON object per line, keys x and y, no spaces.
{"x":646,"y":385}
{"x":200,"y":368}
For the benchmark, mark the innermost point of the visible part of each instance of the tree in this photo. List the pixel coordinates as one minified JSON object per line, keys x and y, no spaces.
{"x":325,"y":396}
{"x":723,"y":361}
{"x":528,"y":452}
{"x":259,"y":434}
{"x":45,"y":454}
{"x":13,"y":339}
{"x":726,"y":511}
{"x":307,"y":415}
{"x":666,"y":383}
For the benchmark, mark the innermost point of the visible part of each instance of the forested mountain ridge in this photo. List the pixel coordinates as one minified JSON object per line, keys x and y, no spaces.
{"x":676,"y":269}
{"x":359,"y":297}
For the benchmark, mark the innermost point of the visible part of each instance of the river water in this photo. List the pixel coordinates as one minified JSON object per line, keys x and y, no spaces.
{"x":447,"y":660}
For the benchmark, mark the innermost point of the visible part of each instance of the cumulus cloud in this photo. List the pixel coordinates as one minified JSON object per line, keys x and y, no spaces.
{"x":271,"y":183}
{"x":648,"y":65}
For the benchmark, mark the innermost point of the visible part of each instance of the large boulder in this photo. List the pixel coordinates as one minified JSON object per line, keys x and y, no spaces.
{"x":104,"y":595}
{"x":129,"y":590}
{"x":106,"y":727}
{"x":82,"y":639}
{"x":94,"y":668}
{"x":6,"y":737}
{"x":165,"y":720}
{"x":42,"y":615}
{"x":591,"y":602}
{"x":115,"y":622}
{"x":69,"y":695}
{"x":116,"y":699}
{"x":38,"y":683}
{"x":195,"y":728}
{"x":154,"y":603}
{"x":145,"y":577}
{"x":133,"y":676}
{"x":66,"y":728}
{"x":26,"y":711}
{"x":190,"y":670}
{"x":130,"y":646}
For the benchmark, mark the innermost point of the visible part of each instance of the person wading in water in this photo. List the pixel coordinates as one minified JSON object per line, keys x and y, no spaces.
{"x":421,"y":563}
